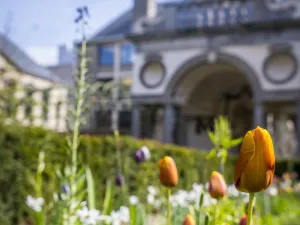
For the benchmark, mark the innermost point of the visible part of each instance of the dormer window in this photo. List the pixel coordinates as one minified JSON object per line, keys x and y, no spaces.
{"x":106,"y":54}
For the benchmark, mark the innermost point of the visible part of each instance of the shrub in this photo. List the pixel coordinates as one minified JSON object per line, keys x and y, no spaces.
{"x":20,"y":147}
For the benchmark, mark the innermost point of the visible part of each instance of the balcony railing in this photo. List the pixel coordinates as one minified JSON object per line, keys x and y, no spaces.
{"x":202,"y":16}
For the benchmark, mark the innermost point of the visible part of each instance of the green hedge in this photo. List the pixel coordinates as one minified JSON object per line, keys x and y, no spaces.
{"x":20,"y":146}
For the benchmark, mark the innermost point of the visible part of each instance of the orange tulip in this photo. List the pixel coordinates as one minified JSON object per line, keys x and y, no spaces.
{"x":168,"y":172}
{"x":254,"y":169}
{"x":243,"y":220}
{"x":217,"y":185}
{"x":188,"y":220}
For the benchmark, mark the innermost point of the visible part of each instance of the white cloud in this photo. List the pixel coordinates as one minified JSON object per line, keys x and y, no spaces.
{"x":43,"y":55}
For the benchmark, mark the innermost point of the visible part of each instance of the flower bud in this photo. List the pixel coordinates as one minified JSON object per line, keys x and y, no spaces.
{"x":255,"y":166}
{"x":168,"y":172}
{"x":217,"y":185}
{"x":188,"y":220}
{"x":119,"y":180}
{"x":243,"y":220}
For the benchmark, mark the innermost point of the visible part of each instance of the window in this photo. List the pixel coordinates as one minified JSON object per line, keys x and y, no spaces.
{"x":127,"y":53}
{"x":45,"y":104}
{"x":106,"y":54}
{"x":29,"y":102}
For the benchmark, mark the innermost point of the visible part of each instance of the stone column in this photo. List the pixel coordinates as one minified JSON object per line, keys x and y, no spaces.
{"x":258,"y":114}
{"x":298,"y":125}
{"x":93,"y":117}
{"x":169,"y":123}
{"x":182,"y":131}
{"x":136,"y":121}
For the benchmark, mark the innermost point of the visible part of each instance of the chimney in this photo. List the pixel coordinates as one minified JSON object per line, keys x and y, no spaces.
{"x":145,"y":8}
{"x":64,"y":55}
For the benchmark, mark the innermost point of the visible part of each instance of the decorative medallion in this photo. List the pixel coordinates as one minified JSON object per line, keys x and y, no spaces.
{"x":280,"y":67}
{"x":153,"y":72}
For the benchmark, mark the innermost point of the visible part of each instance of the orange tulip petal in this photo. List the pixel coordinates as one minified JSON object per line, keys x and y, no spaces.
{"x":168,"y":172}
{"x":246,"y":155}
{"x":255,"y":166}
{"x":189,"y":220}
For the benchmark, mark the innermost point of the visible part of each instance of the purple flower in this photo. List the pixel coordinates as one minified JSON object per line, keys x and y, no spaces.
{"x":119,"y":180}
{"x":143,"y":154}
{"x":65,"y":188}
{"x":139,"y":156}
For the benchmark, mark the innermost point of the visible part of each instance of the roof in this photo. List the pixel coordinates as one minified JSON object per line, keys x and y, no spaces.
{"x":121,"y":26}
{"x":64,"y":71}
{"x":23,"y":62}
{"x":117,"y":28}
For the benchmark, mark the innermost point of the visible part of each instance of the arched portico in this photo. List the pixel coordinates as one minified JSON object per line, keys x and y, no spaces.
{"x":204,"y":79}
{"x":199,"y":79}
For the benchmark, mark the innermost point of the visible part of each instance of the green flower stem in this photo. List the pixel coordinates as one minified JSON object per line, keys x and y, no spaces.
{"x":200,"y":206}
{"x":215,"y":214}
{"x":206,"y":222}
{"x":169,"y":206}
{"x":250,"y":208}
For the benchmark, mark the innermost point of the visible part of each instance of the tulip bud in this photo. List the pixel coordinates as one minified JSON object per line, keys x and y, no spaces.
{"x":168,"y":172}
{"x":217,"y":185}
{"x":243,"y":220}
{"x":119,"y":180}
{"x":255,"y":166}
{"x":188,"y":220}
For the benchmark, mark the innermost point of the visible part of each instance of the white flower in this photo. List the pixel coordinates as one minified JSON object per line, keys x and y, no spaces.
{"x":197,"y":187}
{"x":146,"y":152}
{"x":157,"y":203}
{"x":232,"y":191}
{"x":134,"y":200}
{"x":150,"y":199}
{"x":152,"y":190}
{"x":121,"y":216}
{"x":273,"y":191}
{"x":35,"y":203}
{"x":91,"y":217}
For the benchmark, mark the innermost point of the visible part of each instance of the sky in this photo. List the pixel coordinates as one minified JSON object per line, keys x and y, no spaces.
{"x":40,"y":26}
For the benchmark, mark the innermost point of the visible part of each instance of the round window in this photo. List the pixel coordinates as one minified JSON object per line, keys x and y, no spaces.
{"x":152,"y":74}
{"x":280,"y":68}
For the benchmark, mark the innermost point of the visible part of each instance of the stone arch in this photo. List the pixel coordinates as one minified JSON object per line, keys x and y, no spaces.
{"x":222,"y":58}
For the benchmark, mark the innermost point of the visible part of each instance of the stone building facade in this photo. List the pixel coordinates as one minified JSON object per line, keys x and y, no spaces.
{"x":195,"y":60}
{"x":48,"y":92}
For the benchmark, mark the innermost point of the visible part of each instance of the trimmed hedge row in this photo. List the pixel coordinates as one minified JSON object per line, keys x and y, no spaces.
{"x":20,"y":146}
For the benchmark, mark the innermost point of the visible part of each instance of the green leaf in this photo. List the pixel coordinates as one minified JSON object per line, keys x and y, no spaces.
{"x":236,"y":141}
{"x":107,"y":206}
{"x":211,"y":154}
{"x":211,"y":136}
{"x":141,"y":215}
{"x":90,"y":188}
{"x":132,"y":210}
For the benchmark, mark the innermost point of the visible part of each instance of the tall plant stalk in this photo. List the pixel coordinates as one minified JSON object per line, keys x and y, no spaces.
{"x":250,"y":208}
{"x":73,"y":142}
{"x":169,"y":206}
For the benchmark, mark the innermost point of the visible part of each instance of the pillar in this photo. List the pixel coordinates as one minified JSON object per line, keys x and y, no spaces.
{"x":169,"y":123}
{"x":136,"y":121}
{"x":298,"y":125}
{"x":258,"y":114}
{"x":182,"y":131}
